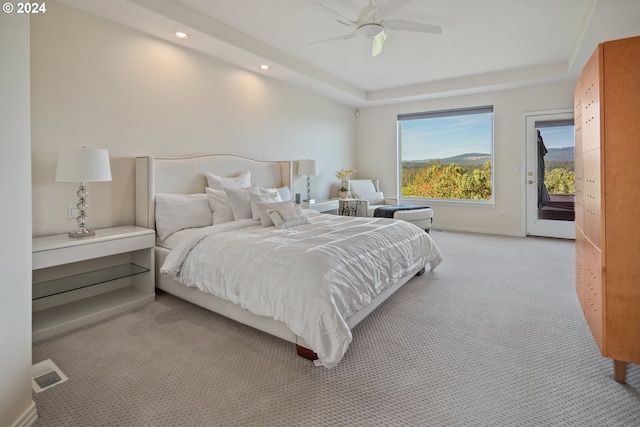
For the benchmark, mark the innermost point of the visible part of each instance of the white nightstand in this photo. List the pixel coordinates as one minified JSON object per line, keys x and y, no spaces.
{"x":322,"y":205}
{"x":78,"y":281}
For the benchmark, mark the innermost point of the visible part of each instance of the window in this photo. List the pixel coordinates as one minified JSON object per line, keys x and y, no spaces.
{"x":557,"y":136}
{"x":447,"y":154}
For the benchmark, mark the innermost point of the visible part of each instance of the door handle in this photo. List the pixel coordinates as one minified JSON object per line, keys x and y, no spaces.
{"x":531,"y":181}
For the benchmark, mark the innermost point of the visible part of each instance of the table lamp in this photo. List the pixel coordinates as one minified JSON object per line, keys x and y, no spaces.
{"x":308,"y":167}
{"x":83,"y":165}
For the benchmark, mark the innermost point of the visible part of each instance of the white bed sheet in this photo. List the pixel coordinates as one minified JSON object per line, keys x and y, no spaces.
{"x":174,"y":240}
{"x":312,"y":277}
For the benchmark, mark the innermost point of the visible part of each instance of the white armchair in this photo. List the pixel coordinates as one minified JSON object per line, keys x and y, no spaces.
{"x":366,"y":198}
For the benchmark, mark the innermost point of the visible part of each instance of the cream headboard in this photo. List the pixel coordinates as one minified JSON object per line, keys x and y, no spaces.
{"x":187,"y":175}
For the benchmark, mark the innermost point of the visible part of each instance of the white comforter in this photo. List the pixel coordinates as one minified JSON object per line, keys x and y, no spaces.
{"x":312,"y":277}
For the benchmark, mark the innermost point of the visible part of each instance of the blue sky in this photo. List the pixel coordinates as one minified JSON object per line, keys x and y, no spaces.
{"x":442,"y":137}
{"x":557,"y":137}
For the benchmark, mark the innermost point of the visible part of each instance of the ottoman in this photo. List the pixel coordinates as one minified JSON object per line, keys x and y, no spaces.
{"x":418,"y":215}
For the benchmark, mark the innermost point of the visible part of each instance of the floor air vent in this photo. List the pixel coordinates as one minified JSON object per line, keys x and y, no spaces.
{"x":45,"y":375}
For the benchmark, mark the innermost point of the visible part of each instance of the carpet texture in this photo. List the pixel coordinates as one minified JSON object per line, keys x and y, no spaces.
{"x":493,"y":337}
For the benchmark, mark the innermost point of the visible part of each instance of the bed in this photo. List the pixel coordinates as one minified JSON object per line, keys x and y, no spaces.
{"x":309,"y":280}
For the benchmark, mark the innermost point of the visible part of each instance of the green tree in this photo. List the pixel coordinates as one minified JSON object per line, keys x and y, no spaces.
{"x":451,"y":181}
{"x":560,"y":181}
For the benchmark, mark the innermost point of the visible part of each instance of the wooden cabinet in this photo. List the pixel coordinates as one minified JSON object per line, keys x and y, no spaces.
{"x":607,"y":124}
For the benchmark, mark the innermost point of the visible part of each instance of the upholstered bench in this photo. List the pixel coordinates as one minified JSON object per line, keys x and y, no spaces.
{"x":419,"y":215}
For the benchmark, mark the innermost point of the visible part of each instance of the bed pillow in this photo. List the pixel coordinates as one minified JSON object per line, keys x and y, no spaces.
{"x":240,"y":202}
{"x":376,"y":198}
{"x":220,"y":205}
{"x":264,"y":209}
{"x":263,"y":195}
{"x":176,"y":212}
{"x":285,"y":193}
{"x":220,"y":182}
{"x":288,"y":217}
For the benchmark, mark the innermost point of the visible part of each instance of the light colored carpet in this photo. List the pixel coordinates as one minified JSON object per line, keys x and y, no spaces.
{"x":493,"y":337}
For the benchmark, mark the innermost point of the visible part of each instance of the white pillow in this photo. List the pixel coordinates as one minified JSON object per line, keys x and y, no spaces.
{"x":220,"y":205}
{"x":263,"y":195}
{"x":288,"y":217}
{"x":376,"y":198}
{"x":285,"y":193}
{"x":176,"y":212}
{"x":220,"y":183}
{"x":264,"y":209}
{"x":240,"y":202}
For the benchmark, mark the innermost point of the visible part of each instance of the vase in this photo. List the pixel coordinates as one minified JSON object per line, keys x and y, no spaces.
{"x":344,"y":194}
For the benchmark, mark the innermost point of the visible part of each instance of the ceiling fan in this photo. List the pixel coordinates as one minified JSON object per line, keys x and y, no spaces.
{"x":372,"y":25}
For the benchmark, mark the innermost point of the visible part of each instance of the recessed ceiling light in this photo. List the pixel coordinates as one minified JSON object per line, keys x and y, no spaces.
{"x":265,"y":67}
{"x":180,"y":35}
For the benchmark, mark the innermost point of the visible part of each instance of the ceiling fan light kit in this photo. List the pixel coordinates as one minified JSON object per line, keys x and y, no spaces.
{"x":372,"y":25}
{"x":370,"y":30}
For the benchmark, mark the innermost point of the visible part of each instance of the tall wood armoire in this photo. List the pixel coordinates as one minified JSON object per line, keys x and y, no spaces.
{"x":607,"y":171}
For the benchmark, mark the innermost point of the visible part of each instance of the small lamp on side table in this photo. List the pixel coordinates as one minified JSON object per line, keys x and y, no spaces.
{"x":83,"y":165}
{"x":308,"y":167}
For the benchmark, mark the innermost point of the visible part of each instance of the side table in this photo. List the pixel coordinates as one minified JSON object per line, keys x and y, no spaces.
{"x":78,"y":281}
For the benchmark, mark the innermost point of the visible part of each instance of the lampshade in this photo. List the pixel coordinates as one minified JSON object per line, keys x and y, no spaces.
{"x":308,"y":167}
{"x":83,"y":165}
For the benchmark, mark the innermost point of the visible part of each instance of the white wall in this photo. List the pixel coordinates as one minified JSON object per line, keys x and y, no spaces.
{"x":16,"y":404}
{"x":98,"y":84}
{"x":377,"y":153}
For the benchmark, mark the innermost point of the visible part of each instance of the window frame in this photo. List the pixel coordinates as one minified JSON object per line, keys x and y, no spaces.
{"x":446,"y":113}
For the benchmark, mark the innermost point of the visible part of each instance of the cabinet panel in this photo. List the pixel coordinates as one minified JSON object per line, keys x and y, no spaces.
{"x":581,"y":241}
{"x":593,"y":292}
{"x":589,"y":88}
{"x":591,"y":198}
{"x":579,"y":190}
{"x":578,"y":171}
{"x":577,"y":117}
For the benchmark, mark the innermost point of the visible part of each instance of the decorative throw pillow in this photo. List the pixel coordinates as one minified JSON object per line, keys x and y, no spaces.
{"x":288,"y":217}
{"x":263,"y":195}
{"x":285,"y":193}
{"x":176,"y":212}
{"x":220,"y":205}
{"x":264,"y":209}
{"x":240,"y":202}
{"x":220,"y":183}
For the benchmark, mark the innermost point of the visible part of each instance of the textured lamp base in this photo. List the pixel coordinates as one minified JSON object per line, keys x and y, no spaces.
{"x":82,"y":206}
{"x":78,"y":234}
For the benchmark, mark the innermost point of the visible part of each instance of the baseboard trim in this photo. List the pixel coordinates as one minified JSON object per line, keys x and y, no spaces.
{"x":29,"y":418}
{"x":435,"y":227}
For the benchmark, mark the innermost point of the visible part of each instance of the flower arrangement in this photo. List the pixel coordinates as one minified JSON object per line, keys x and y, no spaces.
{"x":342,"y":175}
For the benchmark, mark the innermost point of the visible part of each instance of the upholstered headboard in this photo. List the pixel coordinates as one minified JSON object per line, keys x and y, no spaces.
{"x":187,"y":175}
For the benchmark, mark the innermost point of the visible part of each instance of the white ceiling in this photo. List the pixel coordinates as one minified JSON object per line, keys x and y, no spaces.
{"x":484,"y":45}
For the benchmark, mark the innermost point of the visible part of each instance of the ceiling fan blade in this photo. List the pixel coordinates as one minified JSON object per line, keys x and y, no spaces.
{"x":341,"y":19}
{"x":378,"y":42}
{"x":366,"y":14}
{"x":347,"y":37}
{"x":388,"y":8}
{"x":400,"y":25}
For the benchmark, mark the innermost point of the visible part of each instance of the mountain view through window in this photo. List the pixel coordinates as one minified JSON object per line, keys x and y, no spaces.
{"x":447,"y":154}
